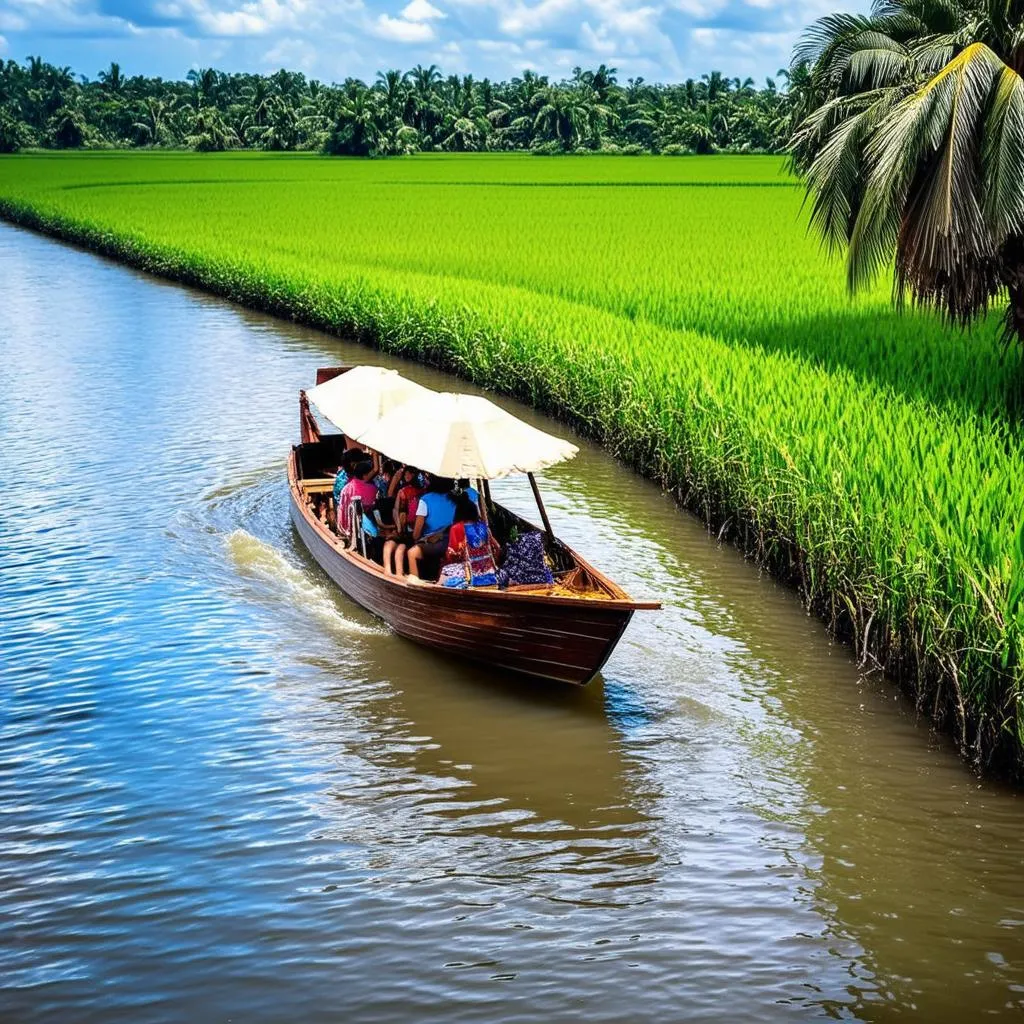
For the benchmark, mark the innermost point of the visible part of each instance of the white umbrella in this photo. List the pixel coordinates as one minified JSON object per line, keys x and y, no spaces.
{"x":463,"y":436}
{"x":355,"y":400}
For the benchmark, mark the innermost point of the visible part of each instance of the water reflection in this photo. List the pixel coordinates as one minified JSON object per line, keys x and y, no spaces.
{"x":228,"y":791}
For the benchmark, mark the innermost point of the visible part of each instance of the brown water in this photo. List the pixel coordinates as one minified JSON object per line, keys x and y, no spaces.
{"x":227,"y":792}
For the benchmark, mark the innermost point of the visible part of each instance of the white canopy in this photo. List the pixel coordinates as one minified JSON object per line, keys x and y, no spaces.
{"x":463,"y":436}
{"x":355,"y":400}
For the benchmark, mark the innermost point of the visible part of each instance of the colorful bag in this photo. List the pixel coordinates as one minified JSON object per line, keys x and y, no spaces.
{"x":454,"y":575}
{"x":479,"y":556}
{"x":525,"y":562}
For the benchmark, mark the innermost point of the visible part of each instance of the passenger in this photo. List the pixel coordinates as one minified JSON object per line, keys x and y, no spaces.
{"x":471,"y":491}
{"x":384,"y":514}
{"x":360,"y":485}
{"x":406,"y":489}
{"x":472,"y":550}
{"x":386,"y":473}
{"x":348,"y":459}
{"x":435,"y":513}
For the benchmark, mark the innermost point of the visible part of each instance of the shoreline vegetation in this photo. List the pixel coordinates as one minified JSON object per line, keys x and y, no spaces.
{"x":864,"y":456}
{"x":399,"y":113}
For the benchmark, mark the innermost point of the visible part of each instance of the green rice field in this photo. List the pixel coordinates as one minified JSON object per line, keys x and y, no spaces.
{"x":677,"y":310}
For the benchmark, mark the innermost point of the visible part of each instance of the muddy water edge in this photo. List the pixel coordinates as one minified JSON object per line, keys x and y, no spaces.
{"x":227,"y":791}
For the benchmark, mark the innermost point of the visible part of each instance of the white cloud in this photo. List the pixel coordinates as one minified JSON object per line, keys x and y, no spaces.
{"x":293,"y":54}
{"x":3,"y":45}
{"x":628,"y":21}
{"x":597,"y":41}
{"x":399,"y":30}
{"x":11,"y":22}
{"x":707,"y":36}
{"x":253,"y":18}
{"x":521,"y":18}
{"x":699,"y":8}
{"x":421,"y":10}
{"x":498,"y":46}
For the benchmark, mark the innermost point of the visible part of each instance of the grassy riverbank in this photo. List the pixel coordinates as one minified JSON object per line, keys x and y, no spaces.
{"x":676,"y":310}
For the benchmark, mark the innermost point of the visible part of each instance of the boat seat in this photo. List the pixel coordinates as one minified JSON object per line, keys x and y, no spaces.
{"x":318,"y":484}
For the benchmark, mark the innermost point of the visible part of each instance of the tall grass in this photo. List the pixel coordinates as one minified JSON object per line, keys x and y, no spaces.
{"x":677,"y":311}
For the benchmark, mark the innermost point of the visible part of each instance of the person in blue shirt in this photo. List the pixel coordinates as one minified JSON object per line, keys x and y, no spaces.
{"x":435,"y":513}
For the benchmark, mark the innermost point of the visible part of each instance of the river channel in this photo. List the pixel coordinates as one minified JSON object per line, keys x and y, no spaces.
{"x":226,"y":792}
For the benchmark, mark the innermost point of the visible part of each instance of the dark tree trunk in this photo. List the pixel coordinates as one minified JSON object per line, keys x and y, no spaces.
{"x":1015,"y":311}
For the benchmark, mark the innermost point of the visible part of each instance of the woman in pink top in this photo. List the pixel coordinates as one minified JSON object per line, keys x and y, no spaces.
{"x":360,"y":486}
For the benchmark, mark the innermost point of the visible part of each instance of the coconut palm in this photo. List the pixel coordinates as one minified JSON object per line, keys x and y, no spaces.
{"x":358,"y":125}
{"x":562,"y":116}
{"x":463,"y":137}
{"x":422,"y":98}
{"x":916,"y":150}
{"x":392,"y":87}
{"x":259,"y":99}
{"x":150,"y":127}
{"x":209,"y":132}
{"x":112,"y":79}
{"x":206,"y":84}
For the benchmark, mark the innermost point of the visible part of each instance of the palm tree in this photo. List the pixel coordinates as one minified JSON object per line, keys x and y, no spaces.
{"x":67,"y":128}
{"x":209,"y":132}
{"x":391,"y":85}
{"x":464,"y":136}
{"x":422,"y":99}
{"x":357,"y":130}
{"x":917,"y":149}
{"x":562,"y":116}
{"x":801,"y":91}
{"x":205,"y":84}
{"x":13,"y":133}
{"x":36,"y":69}
{"x":112,"y":79}
{"x":150,"y":126}
{"x":716,"y":84}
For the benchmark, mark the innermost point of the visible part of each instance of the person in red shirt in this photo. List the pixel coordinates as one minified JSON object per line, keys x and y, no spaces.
{"x":472,"y":550}
{"x":407,"y":491}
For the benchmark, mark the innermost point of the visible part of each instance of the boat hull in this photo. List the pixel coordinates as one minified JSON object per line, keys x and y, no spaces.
{"x":562,"y":639}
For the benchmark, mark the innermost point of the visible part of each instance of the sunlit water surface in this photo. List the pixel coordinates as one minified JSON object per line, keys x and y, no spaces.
{"x":227,"y":792}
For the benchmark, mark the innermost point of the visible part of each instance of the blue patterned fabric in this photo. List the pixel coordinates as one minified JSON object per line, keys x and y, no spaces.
{"x":524,"y":562}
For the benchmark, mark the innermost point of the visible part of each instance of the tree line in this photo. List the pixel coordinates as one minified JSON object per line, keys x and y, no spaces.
{"x":42,"y":105}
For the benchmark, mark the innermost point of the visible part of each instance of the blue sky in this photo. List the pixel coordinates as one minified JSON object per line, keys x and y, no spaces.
{"x":662,"y":40}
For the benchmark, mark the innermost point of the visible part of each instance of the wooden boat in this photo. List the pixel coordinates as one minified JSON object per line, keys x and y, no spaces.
{"x":563,"y":632}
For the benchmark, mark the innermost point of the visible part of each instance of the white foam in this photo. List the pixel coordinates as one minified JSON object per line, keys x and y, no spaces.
{"x":256,"y":560}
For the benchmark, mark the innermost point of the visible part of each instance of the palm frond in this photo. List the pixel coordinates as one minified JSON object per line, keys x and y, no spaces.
{"x":933,"y":53}
{"x":882,"y":63}
{"x":823,"y":37}
{"x":833,"y":179}
{"x":1002,"y":158}
{"x":946,"y":254}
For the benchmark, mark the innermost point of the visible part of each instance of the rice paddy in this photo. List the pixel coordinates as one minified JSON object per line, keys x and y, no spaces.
{"x":678,"y":311}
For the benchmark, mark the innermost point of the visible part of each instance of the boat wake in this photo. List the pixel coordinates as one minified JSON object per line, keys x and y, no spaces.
{"x":263,"y":564}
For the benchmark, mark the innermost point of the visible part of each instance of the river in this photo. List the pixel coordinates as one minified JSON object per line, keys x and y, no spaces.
{"x":226,"y":792}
